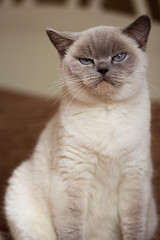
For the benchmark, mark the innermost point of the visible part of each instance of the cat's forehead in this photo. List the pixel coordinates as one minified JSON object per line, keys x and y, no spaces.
{"x":101,"y":42}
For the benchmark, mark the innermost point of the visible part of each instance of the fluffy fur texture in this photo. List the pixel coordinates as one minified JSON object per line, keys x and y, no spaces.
{"x":90,"y":175}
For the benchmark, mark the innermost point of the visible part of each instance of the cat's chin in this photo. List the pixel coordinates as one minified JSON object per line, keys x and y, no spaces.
{"x":105,"y":89}
{"x":95,"y":94}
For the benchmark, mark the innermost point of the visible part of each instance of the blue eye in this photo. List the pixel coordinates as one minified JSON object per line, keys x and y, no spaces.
{"x":119,"y":57}
{"x":86,"y":61}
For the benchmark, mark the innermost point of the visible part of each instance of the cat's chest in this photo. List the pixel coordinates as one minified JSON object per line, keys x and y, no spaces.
{"x":102,"y":203}
{"x":99,"y":130}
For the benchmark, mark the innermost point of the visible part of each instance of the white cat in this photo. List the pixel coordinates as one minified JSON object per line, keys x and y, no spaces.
{"x":90,"y":175}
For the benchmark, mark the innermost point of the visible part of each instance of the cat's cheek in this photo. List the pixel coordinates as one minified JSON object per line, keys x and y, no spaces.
{"x":76,"y":69}
{"x":70,"y":71}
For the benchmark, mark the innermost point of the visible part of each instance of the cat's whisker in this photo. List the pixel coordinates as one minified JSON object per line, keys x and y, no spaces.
{"x":66,"y":91}
{"x":53,"y":96}
{"x":154,"y":88}
{"x":61,"y":96}
{"x":61,"y":86}
{"x":76,"y":94}
{"x":57,"y":88}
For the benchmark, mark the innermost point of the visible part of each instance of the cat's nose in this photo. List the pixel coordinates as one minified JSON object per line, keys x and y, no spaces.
{"x":102,"y":70}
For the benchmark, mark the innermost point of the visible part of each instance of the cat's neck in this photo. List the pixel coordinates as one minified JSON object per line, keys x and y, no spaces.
{"x":70,"y":105}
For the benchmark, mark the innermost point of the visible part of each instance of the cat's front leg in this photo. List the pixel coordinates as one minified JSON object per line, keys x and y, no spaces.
{"x":69,"y":206}
{"x":135,"y":192}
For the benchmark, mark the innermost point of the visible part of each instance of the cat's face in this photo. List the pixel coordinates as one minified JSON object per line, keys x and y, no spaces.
{"x":103,"y":63}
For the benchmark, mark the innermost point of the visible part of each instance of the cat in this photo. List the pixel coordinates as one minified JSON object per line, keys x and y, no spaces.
{"x":89,"y":177}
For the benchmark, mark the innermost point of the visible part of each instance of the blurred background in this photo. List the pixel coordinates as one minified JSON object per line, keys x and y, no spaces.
{"x":28,"y":61}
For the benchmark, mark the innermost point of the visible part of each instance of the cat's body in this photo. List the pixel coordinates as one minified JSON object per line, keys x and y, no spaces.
{"x":90,"y":175}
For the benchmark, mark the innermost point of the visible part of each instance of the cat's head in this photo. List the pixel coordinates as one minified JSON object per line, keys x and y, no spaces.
{"x":104,"y":63}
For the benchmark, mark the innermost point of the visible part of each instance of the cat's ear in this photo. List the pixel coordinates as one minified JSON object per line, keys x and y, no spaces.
{"x":139,"y":30}
{"x":61,"y":40}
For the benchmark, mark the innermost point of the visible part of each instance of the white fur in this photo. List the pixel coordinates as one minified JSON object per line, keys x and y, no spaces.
{"x":106,"y":133}
{"x":91,"y":171}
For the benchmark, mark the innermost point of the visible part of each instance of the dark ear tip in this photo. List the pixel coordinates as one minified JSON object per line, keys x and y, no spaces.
{"x":49,"y":32}
{"x":145,"y":18}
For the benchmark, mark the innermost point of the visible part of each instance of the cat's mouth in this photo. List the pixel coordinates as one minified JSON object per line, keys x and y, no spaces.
{"x":111,"y":81}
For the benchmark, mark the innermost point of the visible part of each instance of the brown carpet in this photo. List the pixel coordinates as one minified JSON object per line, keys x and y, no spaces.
{"x":22,"y":118}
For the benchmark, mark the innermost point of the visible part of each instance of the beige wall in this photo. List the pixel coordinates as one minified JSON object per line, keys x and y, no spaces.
{"x":28,"y":61}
